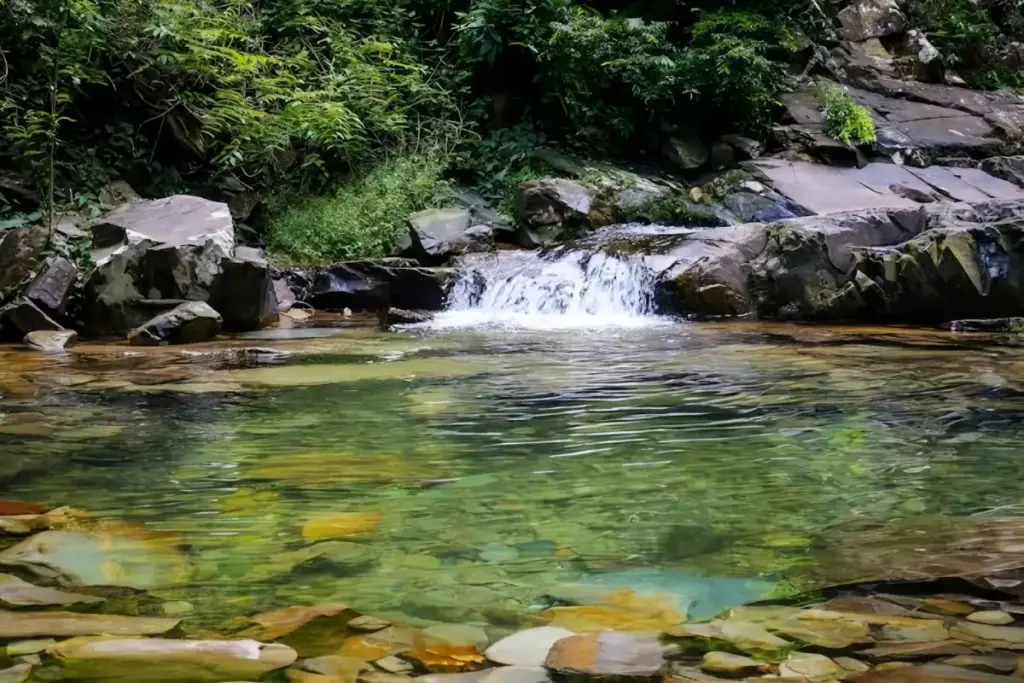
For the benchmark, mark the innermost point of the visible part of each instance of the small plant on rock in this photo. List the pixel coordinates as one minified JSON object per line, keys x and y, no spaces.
{"x":845,"y":120}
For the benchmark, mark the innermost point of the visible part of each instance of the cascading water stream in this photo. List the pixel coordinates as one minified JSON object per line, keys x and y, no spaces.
{"x":554,"y":289}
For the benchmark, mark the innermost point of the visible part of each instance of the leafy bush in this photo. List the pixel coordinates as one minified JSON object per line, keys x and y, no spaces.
{"x":845,"y":120}
{"x":497,"y":164}
{"x":363,"y":219}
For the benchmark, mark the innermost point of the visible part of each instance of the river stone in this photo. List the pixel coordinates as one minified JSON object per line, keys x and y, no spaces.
{"x":993,"y":664}
{"x":368,"y":624}
{"x":688,"y":152}
{"x":145,"y":659}
{"x":188,"y":323}
{"x":733,"y":666}
{"x":527,"y":648}
{"x":930,"y":673}
{"x":436,"y":235}
{"x":991,"y":617}
{"x":991,"y":325}
{"x":459,"y":635}
{"x":609,"y":656}
{"x":516,"y":674}
{"x":16,"y":674}
{"x":280,"y":623}
{"x":17,"y":593}
{"x":394,"y":665}
{"x":851,"y":664}
{"x":466,"y":677}
{"x":50,"y":341}
{"x":916,"y":650}
{"x":20,"y":648}
{"x":67,"y":624}
{"x":1003,"y":637}
{"x":179,"y":220}
{"x":746,"y":636}
{"x":78,"y":558}
{"x":923,"y":630}
{"x":344,"y":668}
{"x":810,"y":666}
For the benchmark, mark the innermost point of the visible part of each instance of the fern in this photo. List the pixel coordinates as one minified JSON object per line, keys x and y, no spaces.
{"x":845,"y":120}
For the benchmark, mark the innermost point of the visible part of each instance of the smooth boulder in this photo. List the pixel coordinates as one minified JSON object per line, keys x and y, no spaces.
{"x":148,"y":659}
{"x":437,"y":235}
{"x":607,"y":656}
{"x":188,"y":323}
{"x":50,"y":341}
{"x":17,"y":593}
{"x":69,"y":624}
{"x":526,"y":648}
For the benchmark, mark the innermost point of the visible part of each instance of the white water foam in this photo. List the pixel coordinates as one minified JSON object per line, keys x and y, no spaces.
{"x":573,"y":289}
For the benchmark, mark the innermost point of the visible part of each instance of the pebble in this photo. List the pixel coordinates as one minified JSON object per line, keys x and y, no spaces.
{"x":991,"y":618}
{"x":527,"y":648}
{"x":731,"y":665}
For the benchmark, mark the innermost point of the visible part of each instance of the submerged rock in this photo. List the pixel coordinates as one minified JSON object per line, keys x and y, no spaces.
{"x":68,"y":624}
{"x":17,"y":593}
{"x":170,"y":660}
{"x":398,"y":316}
{"x":188,"y":323}
{"x":77,"y":558}
{"x":1003,"y":325}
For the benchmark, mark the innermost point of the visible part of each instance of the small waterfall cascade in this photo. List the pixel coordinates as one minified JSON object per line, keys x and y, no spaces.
{"x":561,"y":288}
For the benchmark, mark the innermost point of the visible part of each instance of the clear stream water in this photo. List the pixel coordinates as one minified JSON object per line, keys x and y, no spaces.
{"x":546,"y":432}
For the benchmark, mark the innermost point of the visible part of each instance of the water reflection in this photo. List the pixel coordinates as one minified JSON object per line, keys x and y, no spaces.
{"x":475,"y":475}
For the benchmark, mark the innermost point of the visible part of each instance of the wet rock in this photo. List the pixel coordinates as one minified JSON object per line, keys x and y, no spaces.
{"x":744,"y":636}
{"x":516,"y":674}
{"x":732,"y":666}
{"x":17,"y":593}
{"x":812,"y":667}
{"x":792,"y":623}
{"x":341,"y":557}
{"x":21,"y":251}
{"x":284,"y":622}
{"x":20,"y":648}
{"x":374,"y":285}
{"x":746,"y":148}
{"x":553,"y":208}
{"x":20,"y":507}
{"x":610,"y":656}
{"x":687,"y":152}
{"x":188,"y":323}
{"x":394,"y":640}
{"x":368,"y":624}
{"x":176,"y":609}
{"x":170,"y":660}
{"x":929,"y":673}
{"x":76,"y":558}
{"x":925,"y":58}
{"x":746,"y":205}
{"x":1003,"y":637}
{"x":991,"y":617}
{"x":345,"y":669}
{"x":243,"y":293}
{"x":179,"y":220}
{"x":398,"y":316}
{"x":852,"y":665}
{"x":50,"y":341}
{"x":394,"y":665}
{"x":466,"y":677}
{"x":526,"y":648}
{"x":866,"y":19}
{"x":460,"y":635}
{"x":437,"y":235}
{"x":50,"y":288}
{"x":921,"y":630}
{"x":382,"y":677}
{"x":19,"y":673}
{"x":21,"y":316}
{"x":993,"y":664}
{"x":916,"y":650}
{"x":68,"y":624}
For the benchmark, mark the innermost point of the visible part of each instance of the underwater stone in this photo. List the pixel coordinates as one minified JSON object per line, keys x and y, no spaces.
{"x":609,"y":656}
{"x":527,"y":648}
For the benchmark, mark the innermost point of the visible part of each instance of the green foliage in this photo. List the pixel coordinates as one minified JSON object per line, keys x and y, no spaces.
{"x":497,"y":164}
{"x":969,"y":38}
{"x":673,"y":208}
{"x":363,"y":218}
{"x":490,"y":27}
{"x":845,"y":120}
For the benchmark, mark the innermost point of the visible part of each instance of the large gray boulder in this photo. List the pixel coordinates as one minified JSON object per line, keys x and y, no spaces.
{"x":137,"y":279}
{"x":188,"y":323}
{"x":437,"y":235}
{"x":866,"y":19}
{"x":179,"y":220}
{"x":552,"y":209}
{"x":243,"y":292}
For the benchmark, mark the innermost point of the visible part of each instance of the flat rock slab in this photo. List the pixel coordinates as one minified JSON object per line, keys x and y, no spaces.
{"x":931,"y":673}
{"x":178,"y":220}
{"x":608,"y":655}
{"x":138,"y":659}
{"x":18,"y":593}
{"x":69,"y":624}
{"x":825,"y":189}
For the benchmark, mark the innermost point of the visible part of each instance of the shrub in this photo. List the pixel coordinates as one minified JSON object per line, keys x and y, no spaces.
{"x":845,"y":120}
{"x":363,"y":219}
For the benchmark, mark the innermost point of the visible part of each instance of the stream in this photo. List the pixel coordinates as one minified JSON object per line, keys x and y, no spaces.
{"x":545,"y":436}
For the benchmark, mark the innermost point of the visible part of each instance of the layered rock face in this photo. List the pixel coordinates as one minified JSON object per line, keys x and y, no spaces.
{"x":931,"y":264}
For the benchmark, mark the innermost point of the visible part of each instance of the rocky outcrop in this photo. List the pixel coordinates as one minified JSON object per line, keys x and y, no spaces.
{"x":373,"y":285}
{"x":187,"y":323}
{"x":437,"y":235}
{"x":866,"y":19}
{"x":929,"y":264}
{"x":179,"y":220}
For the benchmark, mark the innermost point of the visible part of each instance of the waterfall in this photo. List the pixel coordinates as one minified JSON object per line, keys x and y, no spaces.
{"x":564,"y":288}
